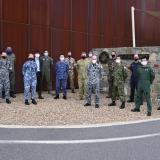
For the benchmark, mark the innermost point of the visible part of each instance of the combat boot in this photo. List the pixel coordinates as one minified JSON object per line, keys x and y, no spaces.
{"x":97,"y":106}
{"x":158,"y":108}
{"x":64,"y":97}
{"x":56,"y":97}
{"x":130,"y":101}
{"x":40,"y":97}
{"x":73,"y":91}
{"x":135,"y":110}
{"x":148,"y":113}
{"x":112,"y":104}
{"x":122,"y":105}
{"x":34,"y":102}
{"x":87,"y":104}
{"x":26,"y":102}
{"x":12,"y":94}
{"x":8,"y":101}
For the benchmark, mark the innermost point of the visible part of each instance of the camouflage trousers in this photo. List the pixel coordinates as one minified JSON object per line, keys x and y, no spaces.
{"x":5,"y":86}
{"x":71,"y":79}
{"x":118,"y":89}
{"x":82,"y":87}
{"x":90,"y":88}
{"x":29,"y":85}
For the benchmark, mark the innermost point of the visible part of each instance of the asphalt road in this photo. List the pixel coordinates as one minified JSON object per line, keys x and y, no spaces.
{"x":135,"y":141}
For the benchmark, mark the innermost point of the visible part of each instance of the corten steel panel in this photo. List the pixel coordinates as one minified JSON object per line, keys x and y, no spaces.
{"x":0,"y":9}
{"x":95,"y":16}
{"x":94,"y":42}
{"x":16,"y":11}
{"x":80,"y":15}
{"x":79,"y":44}
{"x":61,"y":14}
{"x":40,"y":12}
{"x":15,"y":35}
{"x":40,"y":38}
{"x":60,"y":43}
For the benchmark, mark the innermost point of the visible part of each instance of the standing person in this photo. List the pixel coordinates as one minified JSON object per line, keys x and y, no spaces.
{"x":71,"y":63}
{"x":134,"y":79}
{"x":39,"y":75}
{"x":111,"y":66}
{"x":5,"y":68}
{"x":82,"y":65}
{"x":30,"y":79}
{"x":46,"y":64}
{"x":119,"y":77}
{"x":62,"y":70}
{"x":145,"y":76}
{"x":12,"y":58}
{"x":94,"y":73}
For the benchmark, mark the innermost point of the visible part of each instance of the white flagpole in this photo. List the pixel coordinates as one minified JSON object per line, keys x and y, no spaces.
{"x":133,"y":27}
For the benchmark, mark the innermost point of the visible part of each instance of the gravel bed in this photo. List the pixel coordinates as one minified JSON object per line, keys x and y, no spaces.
{"x":61,"y":112}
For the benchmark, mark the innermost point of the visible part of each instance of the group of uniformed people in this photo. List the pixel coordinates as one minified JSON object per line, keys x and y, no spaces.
{"x":38,"y":68}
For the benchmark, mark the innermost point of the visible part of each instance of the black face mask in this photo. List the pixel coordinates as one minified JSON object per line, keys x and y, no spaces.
{"x":136,"y":59}
{"x":4,"y":57}
{"x":69,"y":56}
{"x":31,"y":59}
{"x":113,"y":56}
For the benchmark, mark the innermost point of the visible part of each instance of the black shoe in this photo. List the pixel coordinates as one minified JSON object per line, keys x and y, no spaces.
{"x":135,"y":110}
{"x":130,"y":101}
{"x":112,"y":104}
{"x":8,"y":101}
{"x":122,"y":105}
{"x":87,"y":104}
{"x":12,"y":95}
{"x":148,"y":113}
{"x":56,"y":97}
{"x":64,"y":97}
{"x":34,"y":102}
{"x":158,"y":108}
{"x":73,"y":91}
{"x":97,"y":106}
{"x":26,"y":102}
{"x":40,"y":97}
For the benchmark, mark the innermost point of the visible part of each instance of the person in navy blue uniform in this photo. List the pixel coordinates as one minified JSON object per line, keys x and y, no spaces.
{"x":62,"y":70}
{"x":134,"y":78}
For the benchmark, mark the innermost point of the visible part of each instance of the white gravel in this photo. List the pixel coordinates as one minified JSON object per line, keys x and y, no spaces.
{"x":60,"y":112}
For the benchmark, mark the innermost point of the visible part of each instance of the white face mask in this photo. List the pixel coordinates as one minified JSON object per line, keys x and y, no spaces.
{"x":61,"y":59}
{"x":37,"y":55}
{"x":118,"y":61}
{"x":94,"y":61}
{"x":90,"y":55}
{"x":45,"y":53}
{"x":144,"y":63}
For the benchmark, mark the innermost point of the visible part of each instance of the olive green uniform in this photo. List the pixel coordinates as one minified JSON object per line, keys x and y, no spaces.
{"x":46,"y":65}
{"x":82,"y":66}
{"x":146,"y":76}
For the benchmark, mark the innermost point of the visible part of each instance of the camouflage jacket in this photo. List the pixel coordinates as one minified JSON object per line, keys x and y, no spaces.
{"x":111,"y":66}
{"x":94,"y":73}
{"x":120,"y":74}
{"x":71,"y":63}
{"x":5,"y":67}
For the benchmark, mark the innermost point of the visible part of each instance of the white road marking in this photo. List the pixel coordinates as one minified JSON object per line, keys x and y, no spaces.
{"x":80,"y":141}
{"x":80,"y":126}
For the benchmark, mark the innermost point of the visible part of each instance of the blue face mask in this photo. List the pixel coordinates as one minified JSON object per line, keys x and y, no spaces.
{"x":9,"y":52}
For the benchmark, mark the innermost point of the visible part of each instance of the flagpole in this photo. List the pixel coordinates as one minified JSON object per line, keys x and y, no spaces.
{"x":133,"y":27}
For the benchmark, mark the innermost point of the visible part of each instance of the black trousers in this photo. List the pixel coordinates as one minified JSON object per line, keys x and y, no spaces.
{"x":133,"y":85}
{"x":39,"y":83}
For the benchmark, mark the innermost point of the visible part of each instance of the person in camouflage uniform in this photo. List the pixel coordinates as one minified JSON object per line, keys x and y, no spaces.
{"x":5,"y":68}
{"x":46,"y":64}
{"x":111,"y":66}
{"x":71,"y":63}
{"x":62,"y":70}
{"x":119,"y":77}
{"x":145,"y":76}
{"x":12,"y":58}
{"x":81,"y":67}
{"x":30,"y":79}
{"x":94,"y":73}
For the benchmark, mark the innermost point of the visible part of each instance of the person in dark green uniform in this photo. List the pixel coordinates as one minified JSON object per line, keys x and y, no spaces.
{"x":146,"y":76}
{"x":46,"y":64}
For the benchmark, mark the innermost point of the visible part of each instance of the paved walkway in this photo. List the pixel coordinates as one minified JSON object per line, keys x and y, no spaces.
{"x":118,"y":141}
